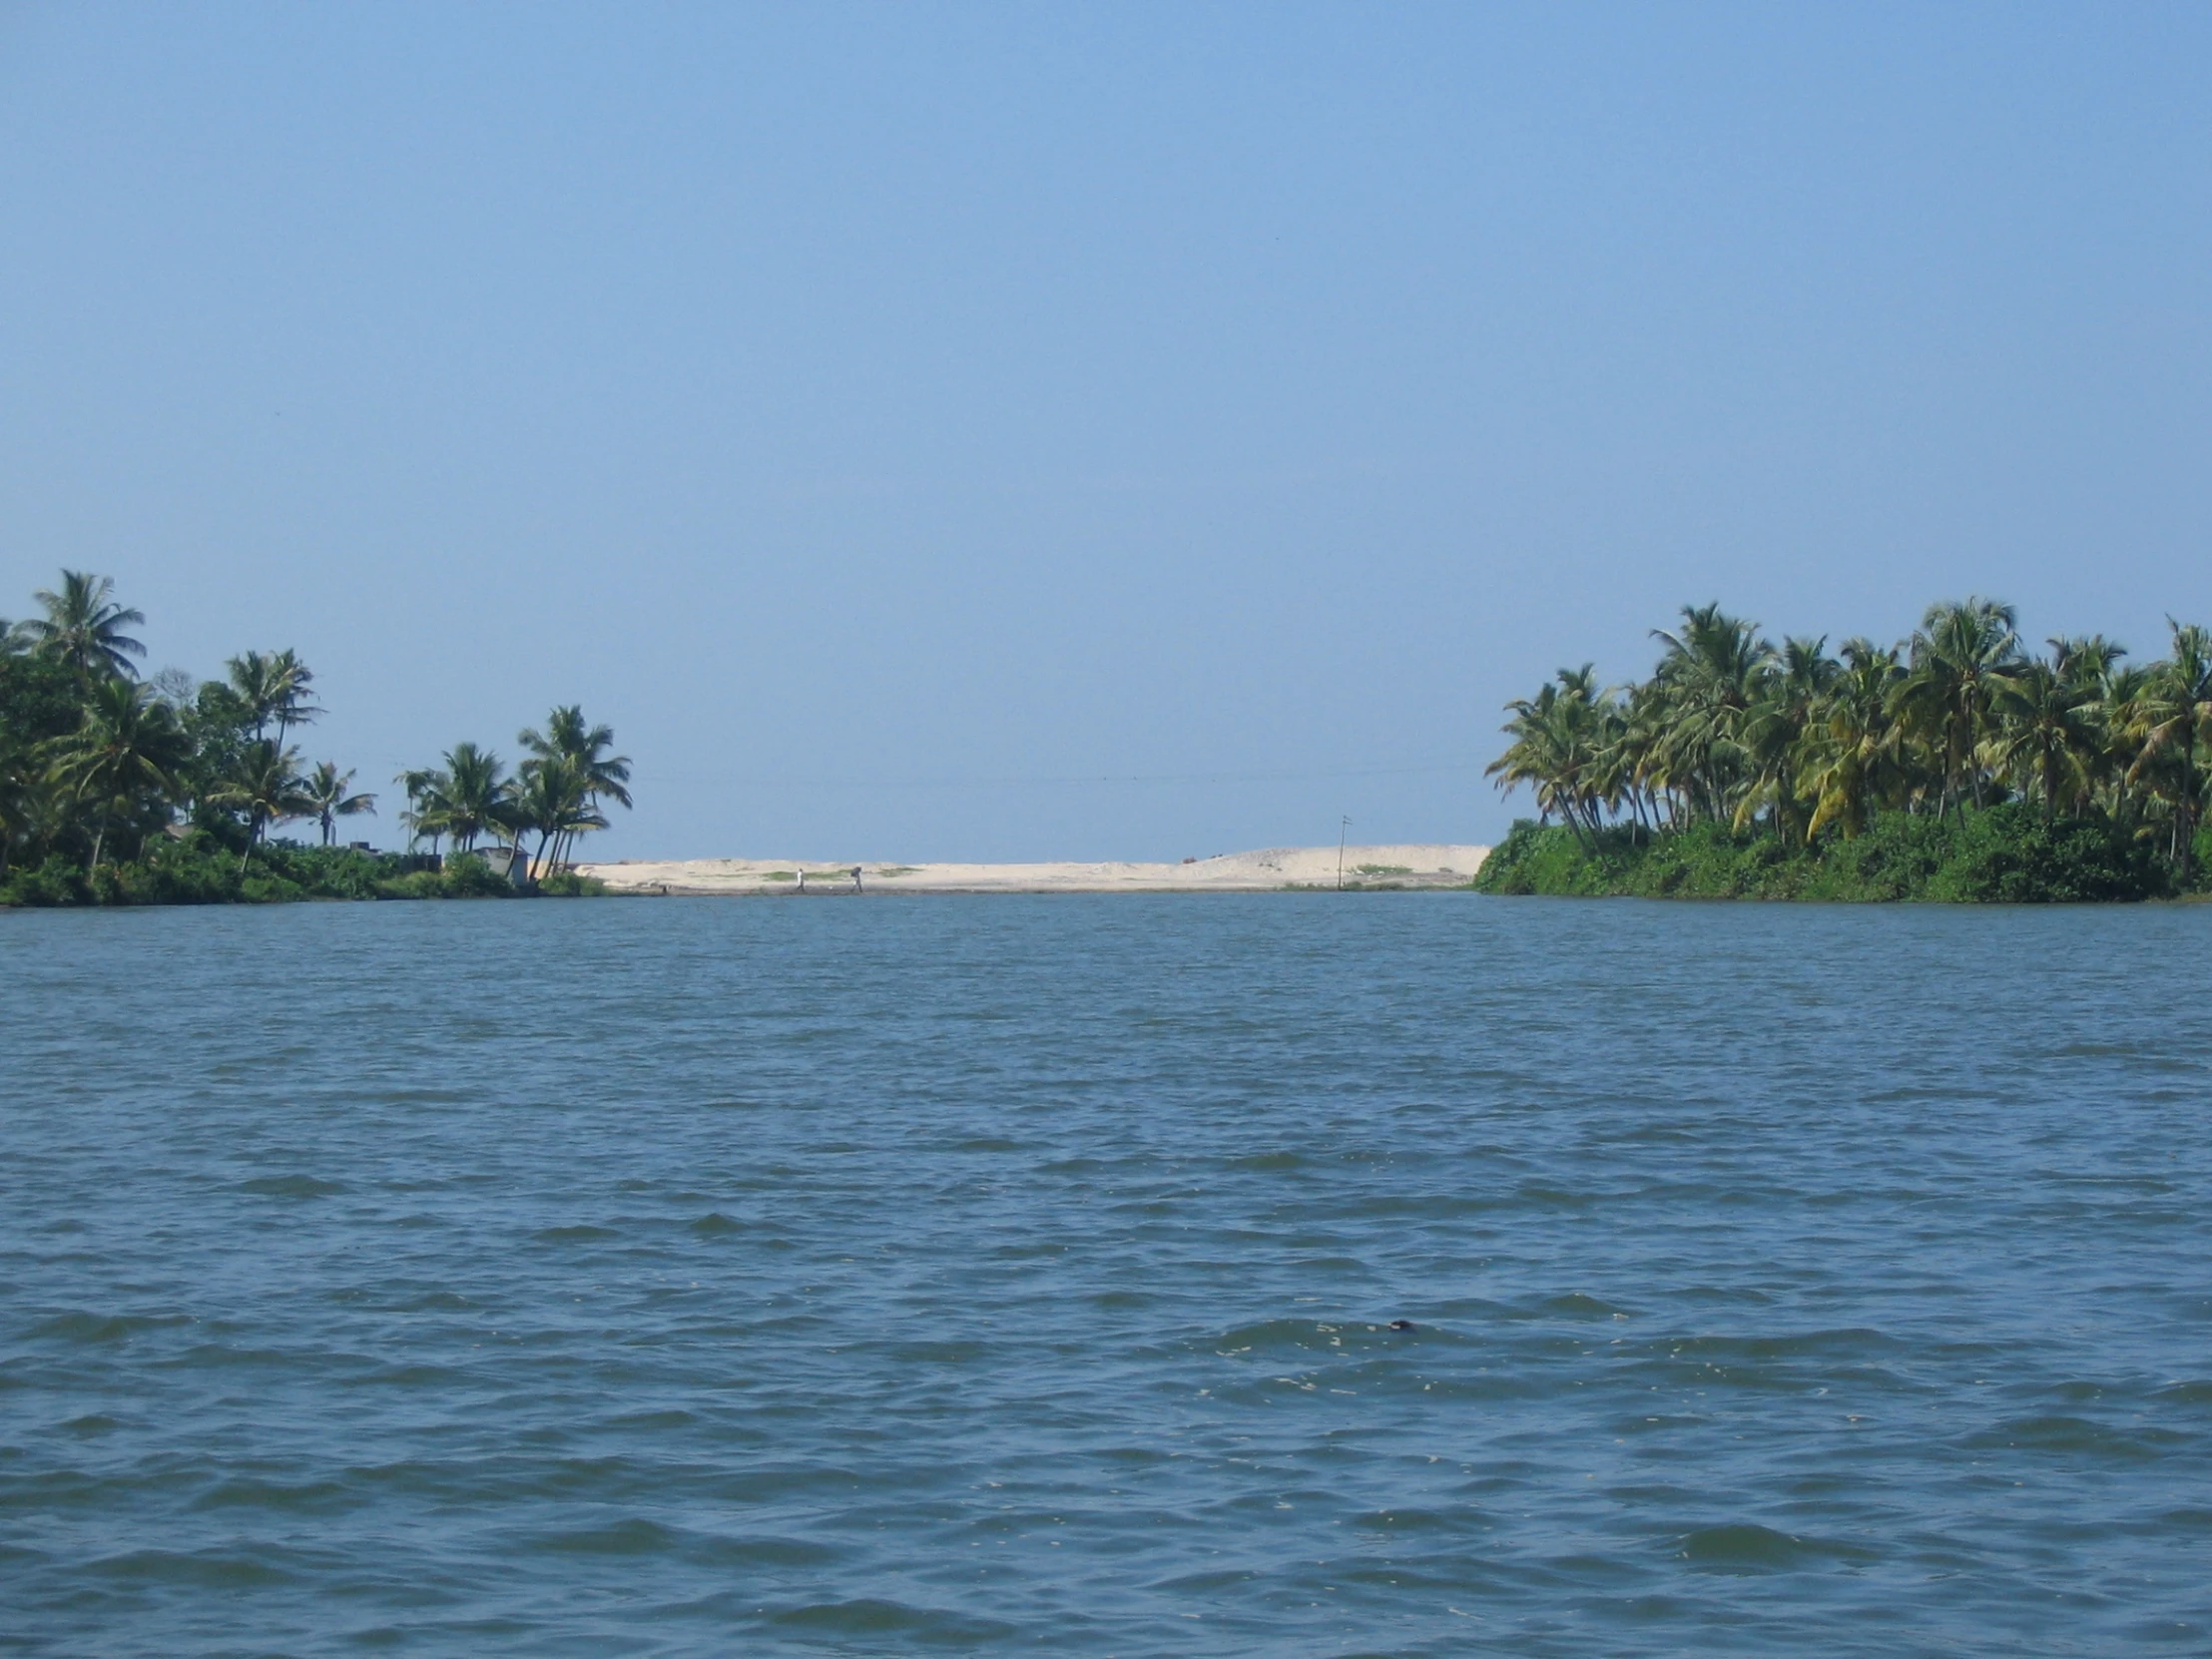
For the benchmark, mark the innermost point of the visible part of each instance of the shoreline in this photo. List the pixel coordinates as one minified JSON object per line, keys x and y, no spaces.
{"x":1410,"y":867}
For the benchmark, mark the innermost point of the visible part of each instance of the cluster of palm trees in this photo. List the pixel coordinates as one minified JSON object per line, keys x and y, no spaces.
{"x":555,"y":795}
{"x":96,"y":763}
{"x":110,"y":759}
{"x":1732,"y":729}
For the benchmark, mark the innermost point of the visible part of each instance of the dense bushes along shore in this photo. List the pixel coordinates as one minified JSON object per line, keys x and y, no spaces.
{"x":2007,"y":854}
{"x":1955,"y":764}
{"x":115,"y":790}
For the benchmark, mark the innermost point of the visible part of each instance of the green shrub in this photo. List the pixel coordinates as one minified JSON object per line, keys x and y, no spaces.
{"x":327,"y":871}
{"x":56,"y":881}
{"x":468,"y":877}
{"x":464,"y":877}
{"x":568,"y":885}
{"x":263,"y":887}
{"x":197,"y":869}
{"x":1999,"y":854}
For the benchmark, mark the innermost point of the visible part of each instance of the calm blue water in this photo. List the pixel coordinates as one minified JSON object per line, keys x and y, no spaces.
{"x":940,"y":1274}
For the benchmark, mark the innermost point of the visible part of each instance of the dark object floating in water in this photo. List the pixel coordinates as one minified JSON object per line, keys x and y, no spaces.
{"x":1403,"y":1324}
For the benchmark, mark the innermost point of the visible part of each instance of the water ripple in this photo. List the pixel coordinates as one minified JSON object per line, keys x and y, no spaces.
{"x":1109,"y":1277}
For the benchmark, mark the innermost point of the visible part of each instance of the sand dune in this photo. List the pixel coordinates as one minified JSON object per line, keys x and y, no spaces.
{"x":1269,"y":869}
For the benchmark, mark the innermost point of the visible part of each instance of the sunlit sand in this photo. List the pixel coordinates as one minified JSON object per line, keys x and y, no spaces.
{"x":1269,"y":869}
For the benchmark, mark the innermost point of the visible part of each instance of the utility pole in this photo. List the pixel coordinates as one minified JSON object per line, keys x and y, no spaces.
{"x":1342,"y":830}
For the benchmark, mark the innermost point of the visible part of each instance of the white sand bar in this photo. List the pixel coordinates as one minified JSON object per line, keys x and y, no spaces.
{"x":1269,"y":870}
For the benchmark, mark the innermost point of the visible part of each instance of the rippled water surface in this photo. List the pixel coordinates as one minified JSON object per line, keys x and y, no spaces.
{"x":904,"y":1275}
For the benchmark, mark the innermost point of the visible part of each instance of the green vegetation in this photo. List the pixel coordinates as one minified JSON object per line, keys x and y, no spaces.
{"x":1953,"y":766}
{"x":117,"y":791}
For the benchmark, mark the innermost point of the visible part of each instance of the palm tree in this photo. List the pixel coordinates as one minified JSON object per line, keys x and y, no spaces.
{"x":292,"y":678}
{"x":326,"y":790}
{"x":555,"y":801}
{"x":1712,"y":671}
{"x":1850,"y":757}
{"x":2177,"y":716}
{"x":83,"y":625}
{"x":1772,"y":732}
{"x":1964,"y":656}
{"x":271,"y":688}
{"x":425,"y":787}
{"x":1728,"y":730}
{"x":2043,"y":727}
{"x":2091,"y":664}
{"x":1555,"y":750}
{"x":472,"y":795}
{"x":253,"y":683}
{"x":1645,"y":756}
{"x":569,"y":737}
{"x":266,"y":786}
{"x":570,"y":740}
{"x":124,"y":758}
{"x":2123,"y":699}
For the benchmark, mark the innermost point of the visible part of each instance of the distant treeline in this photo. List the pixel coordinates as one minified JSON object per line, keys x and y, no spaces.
{"x":118,"y":790}
{"x":1955,"y":764}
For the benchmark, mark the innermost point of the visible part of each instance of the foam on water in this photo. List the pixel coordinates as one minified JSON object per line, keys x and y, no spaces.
{"x":961,"y":1274}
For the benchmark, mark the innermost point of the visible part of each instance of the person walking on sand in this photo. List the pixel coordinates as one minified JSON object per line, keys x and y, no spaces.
{"x":855,"y":878}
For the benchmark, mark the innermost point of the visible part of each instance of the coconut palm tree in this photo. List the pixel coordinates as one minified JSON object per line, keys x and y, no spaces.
{"x":271,"y":688}
{"x":1712,"y":672}
{"x":2176,"y":720}
{"x":1772,"y":732}
{"x":471,"y":796}
{"x":2043,"y":728}
{"x":1645,"y":756}
{"x":1530,"y":758}
{"x":1729,"y":730}
{"x":2123,"y":720}
{"x":267,"y":787}
{"x":554,"y":801}
{"x":1964,"y":656}
{"x":424,"y":787}
{"x":2088,"y":664}
{"x":571,"y":741}
{"x":293,"y":705}
{"x":1851,"y":757}
{"x":568,"y":735}
{"x":122,"y":762}
{"x":253,"y":684}
{"x":83,"y":625}
{"x":326,"y":790}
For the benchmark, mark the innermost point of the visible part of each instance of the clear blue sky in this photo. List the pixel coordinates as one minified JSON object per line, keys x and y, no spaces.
{"x":890,"y":418}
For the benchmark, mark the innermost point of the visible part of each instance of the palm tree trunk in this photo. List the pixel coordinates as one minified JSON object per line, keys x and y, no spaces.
{"x":2185,"y":808}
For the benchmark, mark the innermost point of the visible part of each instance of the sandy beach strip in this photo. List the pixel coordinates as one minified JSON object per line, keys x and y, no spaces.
{"x":1270,"y":869}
